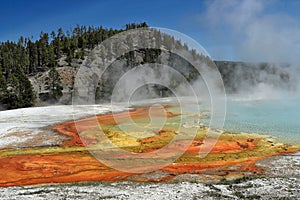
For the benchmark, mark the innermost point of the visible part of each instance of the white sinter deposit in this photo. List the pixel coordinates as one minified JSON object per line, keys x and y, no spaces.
{"x":19,"y":127}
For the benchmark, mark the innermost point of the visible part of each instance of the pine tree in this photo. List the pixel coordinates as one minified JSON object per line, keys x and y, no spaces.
{"x":44,"y":42}
{"x":51,"y":54}
{"x":21,"y":93}
{"x":3,"y":87}
{"x":82,"y":42}
{"x":56,"y":42}
{"x":55,"y":88}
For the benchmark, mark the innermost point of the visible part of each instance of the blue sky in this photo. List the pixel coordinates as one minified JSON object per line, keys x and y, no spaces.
{"x":222,"y":27}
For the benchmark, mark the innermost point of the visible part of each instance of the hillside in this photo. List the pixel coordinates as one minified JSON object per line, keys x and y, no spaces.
{"x":43,"y":71}
{"x":51,"y":64}
{"x":28,"y":58}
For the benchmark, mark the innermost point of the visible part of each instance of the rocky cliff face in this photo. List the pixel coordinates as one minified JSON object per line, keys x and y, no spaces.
{"x":242,"y":76}
{"x":238,"y":77}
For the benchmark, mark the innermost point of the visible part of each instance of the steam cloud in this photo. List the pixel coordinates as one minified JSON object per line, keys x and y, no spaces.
{"x":257,"y":34}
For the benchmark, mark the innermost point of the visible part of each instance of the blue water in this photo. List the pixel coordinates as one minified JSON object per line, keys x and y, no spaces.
{"x":277,"y":117}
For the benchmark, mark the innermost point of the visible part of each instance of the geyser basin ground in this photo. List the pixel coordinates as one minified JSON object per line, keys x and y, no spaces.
{"x":66,"y":158}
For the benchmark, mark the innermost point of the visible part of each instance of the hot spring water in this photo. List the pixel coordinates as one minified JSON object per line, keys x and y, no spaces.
{"x":276,"y":117}
{"x":279,"y":117}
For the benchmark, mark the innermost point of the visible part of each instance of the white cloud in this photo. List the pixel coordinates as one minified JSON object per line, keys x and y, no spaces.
{"x":256,"y":33}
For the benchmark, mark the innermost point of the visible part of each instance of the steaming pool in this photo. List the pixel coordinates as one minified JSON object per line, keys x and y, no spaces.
{"x":276,"y":117}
